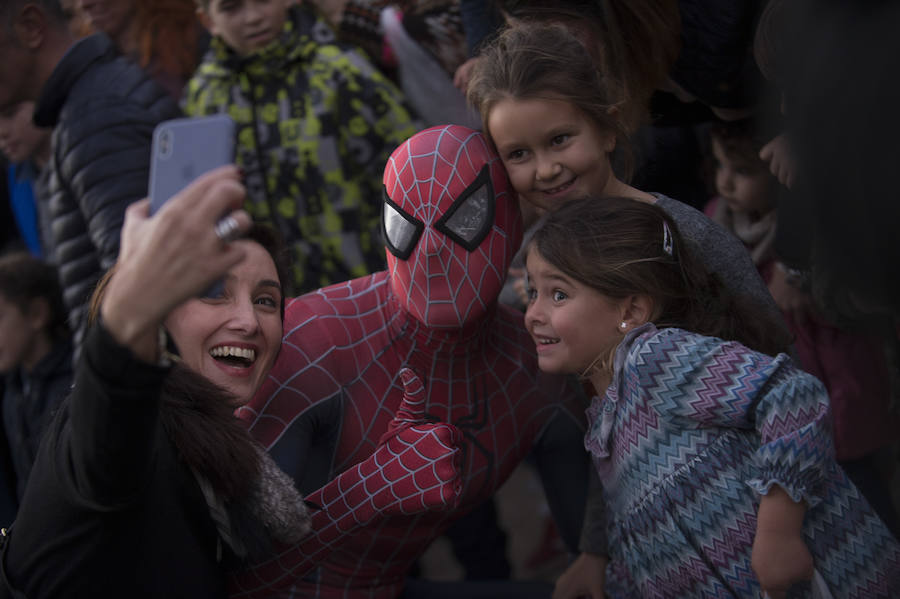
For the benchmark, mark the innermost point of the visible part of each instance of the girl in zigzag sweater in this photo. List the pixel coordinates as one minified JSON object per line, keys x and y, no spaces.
{"x":714,"y":451}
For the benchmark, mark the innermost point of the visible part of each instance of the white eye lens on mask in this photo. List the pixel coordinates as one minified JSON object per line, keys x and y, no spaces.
{"x":401,"y":231}
{"x":469,"y":219}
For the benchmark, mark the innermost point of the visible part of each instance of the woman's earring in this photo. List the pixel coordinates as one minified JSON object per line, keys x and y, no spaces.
{"x":624,"y":325}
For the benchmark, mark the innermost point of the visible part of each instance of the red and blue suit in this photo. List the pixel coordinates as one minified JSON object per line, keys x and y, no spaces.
{"x":451,"y":226}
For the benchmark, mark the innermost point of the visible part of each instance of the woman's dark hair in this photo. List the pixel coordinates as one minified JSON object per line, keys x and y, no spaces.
{"x":23,"y":279}
{"x":271,"y":241}
{"x":198,"y":417}
{"x":617,"y":246}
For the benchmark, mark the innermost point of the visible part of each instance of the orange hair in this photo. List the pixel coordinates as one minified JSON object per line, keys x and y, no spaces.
{"x":168,"y":33}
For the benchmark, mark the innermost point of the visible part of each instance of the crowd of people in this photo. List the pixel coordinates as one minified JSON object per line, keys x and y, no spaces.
{"x":645,"y":247}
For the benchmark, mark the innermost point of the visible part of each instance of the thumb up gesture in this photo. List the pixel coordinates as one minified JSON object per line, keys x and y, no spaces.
{"x":414,"y":468}
{"x":417,"y":459}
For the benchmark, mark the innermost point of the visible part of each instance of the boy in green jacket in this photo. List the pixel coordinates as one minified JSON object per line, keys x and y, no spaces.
{"x":316,"y":123}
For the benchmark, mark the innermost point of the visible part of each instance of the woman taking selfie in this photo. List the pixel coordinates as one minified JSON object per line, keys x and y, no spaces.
{"x":146,"y":485}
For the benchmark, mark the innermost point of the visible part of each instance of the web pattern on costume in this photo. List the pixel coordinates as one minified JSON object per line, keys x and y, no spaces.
{"x":344,"y":347}
{"x":442,"y":283}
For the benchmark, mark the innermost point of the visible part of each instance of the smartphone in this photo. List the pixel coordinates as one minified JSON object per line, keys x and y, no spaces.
{"x":182,"y":150}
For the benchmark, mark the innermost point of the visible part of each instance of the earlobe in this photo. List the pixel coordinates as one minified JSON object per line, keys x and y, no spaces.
{"x":609,"y":142}
{"x":39,"y":313}
{"x":637,"y":310}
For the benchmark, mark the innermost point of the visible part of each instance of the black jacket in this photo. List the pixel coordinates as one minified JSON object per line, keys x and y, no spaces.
{"x":103,"y":109}
{"x":110,"y":510}
{"x":28,"y":405}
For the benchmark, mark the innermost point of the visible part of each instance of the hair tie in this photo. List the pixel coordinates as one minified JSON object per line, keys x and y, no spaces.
{"x":668,"y":239}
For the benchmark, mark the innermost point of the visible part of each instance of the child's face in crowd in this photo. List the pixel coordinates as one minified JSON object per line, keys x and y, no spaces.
{"x":552,"y":151}
{"x":112,"y":17}
{"x":19,"y":333}
{"x":20,"y":139}
{"x":246,"y":25}
{"x":746,"y":187}
{"x":571,"y":323}
{"x":233,"y":339}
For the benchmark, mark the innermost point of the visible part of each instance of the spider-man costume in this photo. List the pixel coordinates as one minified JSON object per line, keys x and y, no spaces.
{"x":451,"y":227}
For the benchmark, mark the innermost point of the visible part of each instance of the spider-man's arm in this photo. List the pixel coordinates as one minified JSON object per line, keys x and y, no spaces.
{"x":414,"y":469}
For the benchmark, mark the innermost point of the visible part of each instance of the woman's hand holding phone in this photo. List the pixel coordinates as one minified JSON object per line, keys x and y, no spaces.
{"x":171,"y":256}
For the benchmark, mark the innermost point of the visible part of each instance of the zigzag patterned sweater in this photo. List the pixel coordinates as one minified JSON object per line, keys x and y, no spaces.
{"x":688,"y":435}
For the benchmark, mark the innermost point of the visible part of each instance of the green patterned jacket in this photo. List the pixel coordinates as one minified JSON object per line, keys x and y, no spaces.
{"x":316,"y":123}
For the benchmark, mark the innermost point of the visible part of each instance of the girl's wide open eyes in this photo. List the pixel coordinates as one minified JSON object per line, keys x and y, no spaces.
{"x":559,"y":296}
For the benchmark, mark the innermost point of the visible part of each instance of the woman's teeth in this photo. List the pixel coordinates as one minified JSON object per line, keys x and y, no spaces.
{"x":239,"y":353}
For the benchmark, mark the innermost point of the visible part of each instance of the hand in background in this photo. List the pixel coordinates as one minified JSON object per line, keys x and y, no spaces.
{"x":794,"y":302}
{"x":584,"y":578}
{"x":463,"y":74}
{"x":777,"y":153}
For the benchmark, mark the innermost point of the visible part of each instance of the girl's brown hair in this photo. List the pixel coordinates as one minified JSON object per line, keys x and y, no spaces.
{"x":635,"y":42}
{"x":622,"y":247}
{"x":532,"y":60}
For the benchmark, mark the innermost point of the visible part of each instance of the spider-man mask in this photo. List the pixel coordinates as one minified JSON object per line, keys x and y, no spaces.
{"x":451,"y":225}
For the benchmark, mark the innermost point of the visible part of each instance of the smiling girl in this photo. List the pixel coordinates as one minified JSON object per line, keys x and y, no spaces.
{"x":714,"y":451}
{"x":556,"y":121}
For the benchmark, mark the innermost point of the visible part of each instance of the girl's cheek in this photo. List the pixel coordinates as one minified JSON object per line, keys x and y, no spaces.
{"x":517,"y":180}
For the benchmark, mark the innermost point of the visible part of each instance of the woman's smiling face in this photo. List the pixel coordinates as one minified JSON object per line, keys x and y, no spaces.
{"x":234,"y":338}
